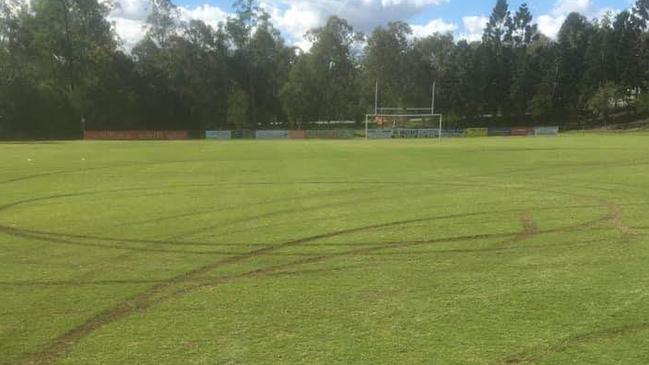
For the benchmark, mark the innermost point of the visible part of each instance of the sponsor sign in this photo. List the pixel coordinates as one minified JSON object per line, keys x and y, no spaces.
{"x":453,"y":132}
{"x":296,"y":134}
{"x":271,"y":134}
{"x":243,"y":134}
{"x":499,"y":132}
{"x":136,"y":135}
{"x":476,"y":132}
{"x":522,"y":131}
{"x":379,"y":133}
{"x":221,"y":135}
{"x":330,"y":134}
{"x":546,"y":131}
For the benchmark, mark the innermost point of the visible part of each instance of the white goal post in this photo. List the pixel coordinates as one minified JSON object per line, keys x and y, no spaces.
{"x":392,"y":114}
{"x":396,"y":130}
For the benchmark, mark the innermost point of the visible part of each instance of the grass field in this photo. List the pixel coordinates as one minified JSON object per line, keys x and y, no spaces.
{"x":468,"y":251}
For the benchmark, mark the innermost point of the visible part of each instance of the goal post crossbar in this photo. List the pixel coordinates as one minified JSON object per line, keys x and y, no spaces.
{"x":403,"y":115}
{"x":369,"y":117}
{"x":403,"y":112}
{"x":406,"y":109}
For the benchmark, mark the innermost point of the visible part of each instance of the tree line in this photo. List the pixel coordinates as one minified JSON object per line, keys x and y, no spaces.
{"x":62,"y":70}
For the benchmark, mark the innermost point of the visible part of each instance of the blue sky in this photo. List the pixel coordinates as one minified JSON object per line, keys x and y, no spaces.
{"x":463,"y":18}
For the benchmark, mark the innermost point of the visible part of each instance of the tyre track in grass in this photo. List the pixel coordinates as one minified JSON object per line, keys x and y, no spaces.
{"x":156,"y":295}
{"x":80,"y":240}
{"x":73,"y":239}
{"x":97,"y":168}
{"x":56,"y":196}
{"x":184,"y":283}
{"x":534,"y":356}
{"x":390,"y":256}
{"x":504,"y":237}
{"x":617,"y":219}
{"x":172,"y":287}
{"x":530,"y":228}
{"x":206,"y":280}
{"x":178,"y":284}
{"x":271,"y":214}
{"x":613,"y":217}
{"x":199,"y":212}
{"x":65,"y":238}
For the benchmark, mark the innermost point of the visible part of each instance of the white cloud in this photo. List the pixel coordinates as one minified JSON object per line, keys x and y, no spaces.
{"x":473,"y":27}
{"x":432,"y":27}
{"x":564,"y":7}
{"x":130,"y":31}
{"x":131,"y":9}
{"x":295,"y":17}
{"x":129,"y":18}
{"x":211,"y":15}
{"x":604,"y":12}
{"x":550,"y":24}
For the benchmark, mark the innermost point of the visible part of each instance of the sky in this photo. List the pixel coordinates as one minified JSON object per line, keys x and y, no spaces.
{"x":463,"y":18}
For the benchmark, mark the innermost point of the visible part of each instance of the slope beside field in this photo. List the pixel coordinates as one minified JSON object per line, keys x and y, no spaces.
{"x":468,"y":251}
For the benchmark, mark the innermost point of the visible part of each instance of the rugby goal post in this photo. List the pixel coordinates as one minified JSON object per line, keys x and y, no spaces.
{"x":399,"y":122}
{"x":404,"y":125}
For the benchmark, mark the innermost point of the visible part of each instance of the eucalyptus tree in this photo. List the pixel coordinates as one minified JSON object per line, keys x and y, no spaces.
{"x":260,"y":63}
{"x":157,"y":68}
{"x":51,"y":54}
{"x":324,"y":84}
{"x":388,"y":61}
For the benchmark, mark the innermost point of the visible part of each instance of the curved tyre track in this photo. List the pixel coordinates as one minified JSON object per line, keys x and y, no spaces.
{"x":534,"y":356}
{"x":189,"y":281}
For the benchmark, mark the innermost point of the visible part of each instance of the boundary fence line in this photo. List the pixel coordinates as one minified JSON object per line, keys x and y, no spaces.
{"x":397,"y":133}
{"x":135,"y":135}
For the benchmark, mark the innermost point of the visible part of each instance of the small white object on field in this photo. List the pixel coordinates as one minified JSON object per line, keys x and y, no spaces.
{"x":83,"y":158}
{"x":29,"y":160}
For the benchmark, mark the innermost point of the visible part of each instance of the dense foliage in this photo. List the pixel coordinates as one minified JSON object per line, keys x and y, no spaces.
{"x":62,"y":70}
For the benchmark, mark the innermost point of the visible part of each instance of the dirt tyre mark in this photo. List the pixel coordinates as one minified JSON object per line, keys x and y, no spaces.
{"x":184,"y":283}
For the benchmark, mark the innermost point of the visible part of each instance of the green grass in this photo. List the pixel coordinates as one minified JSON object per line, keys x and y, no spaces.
{"x":468,"y":251}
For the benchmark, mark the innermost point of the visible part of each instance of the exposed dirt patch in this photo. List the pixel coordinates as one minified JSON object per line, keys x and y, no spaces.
{"x":530,"y":228}
{"x":616,"y":215}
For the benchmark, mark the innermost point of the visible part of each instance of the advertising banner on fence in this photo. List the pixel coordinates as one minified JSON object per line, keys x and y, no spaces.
{"x":271,"y":134}
{"x":476,"y":132}
{"x":521,"y":132}
{"x":296,"y":134}
{"x":416,"y":133}
{"x":427,"y":133}
{"x":220,"y":135}
{"x":330,"y":134}
{"x":243,"y":134}
{"x":135,"y":135}
{"x":546,"y":131}
{"x":405,"y":133}
{"x":499,"y":132}
{"x":379,"y":133}
{"x":453,"y":132}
